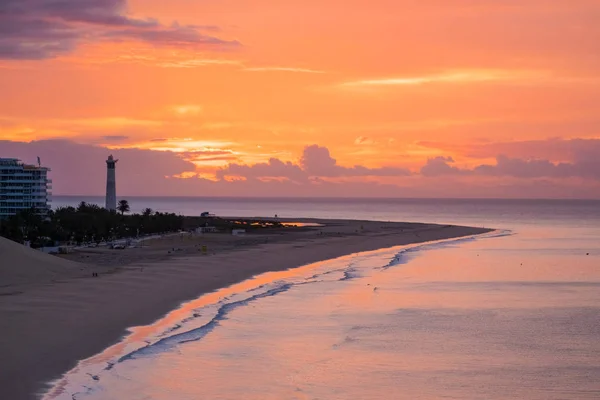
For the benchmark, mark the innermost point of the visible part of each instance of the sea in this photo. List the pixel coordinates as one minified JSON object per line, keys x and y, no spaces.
{"x":511,"y":314}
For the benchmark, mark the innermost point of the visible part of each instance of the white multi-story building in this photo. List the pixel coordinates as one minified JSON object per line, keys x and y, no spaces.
{"x":23,"y":187}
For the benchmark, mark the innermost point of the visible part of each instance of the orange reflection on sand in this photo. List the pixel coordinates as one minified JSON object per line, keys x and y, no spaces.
{"x":140,"y":334}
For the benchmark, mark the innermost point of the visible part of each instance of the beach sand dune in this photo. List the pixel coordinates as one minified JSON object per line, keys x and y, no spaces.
{"x":21,"y":265}
{"x":53,"y":313}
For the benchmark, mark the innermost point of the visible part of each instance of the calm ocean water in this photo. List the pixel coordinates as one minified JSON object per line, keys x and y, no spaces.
{"x":514,"y":314}
{"x":474,"y":212}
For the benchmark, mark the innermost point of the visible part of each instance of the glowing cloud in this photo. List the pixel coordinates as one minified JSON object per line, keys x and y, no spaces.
{"x":457,"y":77}
{"x":284,"y":69}
{"x":190,"y":109}
{"x":183,"y":62}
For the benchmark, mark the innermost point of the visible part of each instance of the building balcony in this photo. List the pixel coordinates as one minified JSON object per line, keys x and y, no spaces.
{"x":37,"y":193}
{"x":24,"y":181}
{"x":24,"y":198}
{"x":17,"y":201}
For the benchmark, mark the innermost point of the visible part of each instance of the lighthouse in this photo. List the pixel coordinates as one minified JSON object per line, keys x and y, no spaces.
{"x":111,"y":184}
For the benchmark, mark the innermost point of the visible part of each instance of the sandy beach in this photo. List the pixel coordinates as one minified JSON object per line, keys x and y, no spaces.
{"x":51,"y":318}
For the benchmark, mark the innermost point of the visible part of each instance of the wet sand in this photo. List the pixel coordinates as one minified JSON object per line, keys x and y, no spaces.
{"x":49,"y":323}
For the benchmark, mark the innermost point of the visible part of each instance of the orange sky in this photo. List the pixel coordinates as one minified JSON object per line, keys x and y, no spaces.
{"x":380,"y":83}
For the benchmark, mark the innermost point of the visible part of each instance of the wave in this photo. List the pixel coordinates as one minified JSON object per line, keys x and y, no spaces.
{"x":350,"y":273}
{"x":197,"y":334}
{"x":403,"y":256}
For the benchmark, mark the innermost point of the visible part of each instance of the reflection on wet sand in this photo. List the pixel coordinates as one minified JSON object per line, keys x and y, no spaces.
{"x":451,"y":321}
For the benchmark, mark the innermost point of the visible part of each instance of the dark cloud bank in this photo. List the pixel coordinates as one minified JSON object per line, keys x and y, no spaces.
{"x":40,"y":29}
{"x":80,"y":169}
{"x":583,"y":157}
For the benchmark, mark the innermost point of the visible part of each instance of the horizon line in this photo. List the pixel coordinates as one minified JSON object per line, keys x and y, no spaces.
{"x":328,"y":197}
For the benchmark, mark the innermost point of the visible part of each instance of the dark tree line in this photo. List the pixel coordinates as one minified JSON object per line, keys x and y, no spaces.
{"x":86,"y":223}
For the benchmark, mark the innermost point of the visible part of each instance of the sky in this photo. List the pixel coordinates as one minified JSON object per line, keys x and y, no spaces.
{"x":381,"y":98}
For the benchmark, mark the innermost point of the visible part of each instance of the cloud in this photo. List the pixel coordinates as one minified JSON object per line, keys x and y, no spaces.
{"x":207,"y":159}
{"x":284,"y":69}
{"x":201,"y":156}
{"x":115,"y":138}
{"x":178,"y":62}
{"x":451,"y":77}
{"x":518,"y":168}
{"x":274,"y":168}
{"x":316,"y":162}
{"x":201,"y":153}
{"x":187,"y":109}
{"x":362,"y":140}
{"x":81,"y":169}
{"x":440,"y":166}
{"x":41,"y":29}
{"x":554,"y":149}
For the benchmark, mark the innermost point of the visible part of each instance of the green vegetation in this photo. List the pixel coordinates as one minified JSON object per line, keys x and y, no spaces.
{"x":86,"y":223}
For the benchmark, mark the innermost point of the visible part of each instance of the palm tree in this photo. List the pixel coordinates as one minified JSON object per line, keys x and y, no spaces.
{"x":82,"y":207}
{"x":123,"y":206}
{"x":147,"y":212}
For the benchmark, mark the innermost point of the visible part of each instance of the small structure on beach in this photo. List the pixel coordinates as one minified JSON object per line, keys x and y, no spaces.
{"x":65,"y":249}
{"x":206,"y":229}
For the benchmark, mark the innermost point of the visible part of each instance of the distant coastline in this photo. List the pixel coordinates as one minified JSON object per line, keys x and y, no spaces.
{"x":467,"y":211}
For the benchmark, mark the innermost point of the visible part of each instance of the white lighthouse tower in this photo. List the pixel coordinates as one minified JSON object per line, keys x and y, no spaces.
{"x":111,"y":184}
